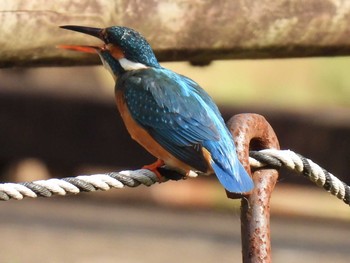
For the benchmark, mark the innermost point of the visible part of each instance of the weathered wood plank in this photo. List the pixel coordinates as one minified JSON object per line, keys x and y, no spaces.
{"x":198,"y":31}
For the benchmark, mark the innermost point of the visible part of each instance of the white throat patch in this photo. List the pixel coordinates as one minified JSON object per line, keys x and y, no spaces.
{"x":130,"y":65}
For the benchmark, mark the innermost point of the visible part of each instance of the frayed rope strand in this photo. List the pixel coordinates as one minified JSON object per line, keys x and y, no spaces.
{"x":89,"y":183}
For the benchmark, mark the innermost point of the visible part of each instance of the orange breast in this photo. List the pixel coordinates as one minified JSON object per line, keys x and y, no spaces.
{"x":142,"y":137}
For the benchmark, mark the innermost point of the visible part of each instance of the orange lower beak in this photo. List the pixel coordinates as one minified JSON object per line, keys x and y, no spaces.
{"x":85,"y":49}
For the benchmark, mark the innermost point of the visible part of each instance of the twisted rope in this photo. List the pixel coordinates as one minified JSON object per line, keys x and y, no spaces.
{"x":75,"y":185}
{"x":302,"y":165}
{"x":89,"y":183}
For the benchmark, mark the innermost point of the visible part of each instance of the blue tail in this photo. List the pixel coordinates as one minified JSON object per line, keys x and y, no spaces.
{"x":239,"y":182}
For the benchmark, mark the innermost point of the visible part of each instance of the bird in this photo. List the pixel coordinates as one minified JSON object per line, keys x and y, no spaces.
{"x":168,"y":114}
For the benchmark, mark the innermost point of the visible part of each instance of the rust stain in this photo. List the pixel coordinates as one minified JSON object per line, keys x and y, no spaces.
{"x":253,"y":132}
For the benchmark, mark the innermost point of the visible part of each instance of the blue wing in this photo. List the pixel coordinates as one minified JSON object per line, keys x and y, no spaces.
{"x":182,"y":117}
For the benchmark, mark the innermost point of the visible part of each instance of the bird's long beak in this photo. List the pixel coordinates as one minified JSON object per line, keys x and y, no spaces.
{"x":92,"y":31}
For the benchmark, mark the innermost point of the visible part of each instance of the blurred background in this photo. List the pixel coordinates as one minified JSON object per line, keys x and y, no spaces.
{"x":58,"y":122}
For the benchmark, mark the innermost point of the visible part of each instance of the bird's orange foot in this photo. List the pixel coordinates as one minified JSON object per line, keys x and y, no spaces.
{"x":154,"y":168}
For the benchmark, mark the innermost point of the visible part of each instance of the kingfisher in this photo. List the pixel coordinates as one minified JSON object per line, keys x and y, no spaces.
{"x":168,"y":114}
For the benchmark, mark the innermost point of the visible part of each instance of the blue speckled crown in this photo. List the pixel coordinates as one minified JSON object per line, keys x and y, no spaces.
{"x":134,"y":45}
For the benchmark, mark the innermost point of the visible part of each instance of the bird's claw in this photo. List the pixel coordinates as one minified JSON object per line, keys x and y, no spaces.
{"x":153,"y":167}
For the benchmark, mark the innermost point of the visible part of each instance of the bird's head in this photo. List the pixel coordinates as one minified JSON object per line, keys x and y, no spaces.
{"x":124,"y":49}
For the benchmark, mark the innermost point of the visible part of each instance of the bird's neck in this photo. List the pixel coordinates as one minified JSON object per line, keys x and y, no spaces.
{"x":122,"y":65}
{"x":128,"y":65}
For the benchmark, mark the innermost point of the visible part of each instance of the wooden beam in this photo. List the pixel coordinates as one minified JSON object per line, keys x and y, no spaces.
{"x":198,"y":31}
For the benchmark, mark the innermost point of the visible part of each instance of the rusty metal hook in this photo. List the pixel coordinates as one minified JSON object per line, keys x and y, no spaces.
{"x":253,"y":132}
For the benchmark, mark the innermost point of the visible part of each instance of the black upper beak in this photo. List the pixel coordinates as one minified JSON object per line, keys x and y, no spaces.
{"x":92,"y":31}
